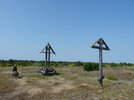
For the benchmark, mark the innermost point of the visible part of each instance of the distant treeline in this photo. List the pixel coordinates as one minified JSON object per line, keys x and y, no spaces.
{"x":11,"y":62}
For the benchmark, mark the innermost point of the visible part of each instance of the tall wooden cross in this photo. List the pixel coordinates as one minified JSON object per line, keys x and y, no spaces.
{"x":101,"y":46}
{"x":47,"y":50}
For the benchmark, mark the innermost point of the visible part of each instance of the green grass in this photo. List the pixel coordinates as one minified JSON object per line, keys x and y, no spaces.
{"x":56,"y":83}
{"x":39,"y":76}
{"x":112,"y":78}
{"x":83,"y":86}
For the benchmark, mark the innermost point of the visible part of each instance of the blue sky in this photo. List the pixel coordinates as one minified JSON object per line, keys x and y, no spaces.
{"x":71,"y":27}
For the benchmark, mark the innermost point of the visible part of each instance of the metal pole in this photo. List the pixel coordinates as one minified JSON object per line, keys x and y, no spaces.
{"x":49,"y":58}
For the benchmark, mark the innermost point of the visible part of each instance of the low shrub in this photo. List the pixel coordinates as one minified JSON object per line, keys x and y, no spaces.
{"x":39,"y":76}
{"x":78,"y":63}
{"x":54,"y":64}
{"x":113,"y":64}
{"x":91,"y":66}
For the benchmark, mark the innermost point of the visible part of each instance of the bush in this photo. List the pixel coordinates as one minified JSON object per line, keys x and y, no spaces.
{"x":78,"y":63}
{"x":113,"y":65}
{"x":127,"y":64}
{"x":91,"y":66}
{"x":11,"y":62}
{"x":54,"y":64}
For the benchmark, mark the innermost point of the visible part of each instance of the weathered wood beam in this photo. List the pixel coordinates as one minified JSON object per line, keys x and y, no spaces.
{"x":101,"y":42}
{"x":103,"y":48}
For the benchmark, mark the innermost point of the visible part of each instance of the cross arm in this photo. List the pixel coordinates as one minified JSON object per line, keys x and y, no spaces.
{"x":103,"y":48}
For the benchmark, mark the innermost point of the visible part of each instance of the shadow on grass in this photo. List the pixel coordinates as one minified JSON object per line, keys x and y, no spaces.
{"x":110,"y":85}
{"x":52,"y":74}
{"x":20,"y":76}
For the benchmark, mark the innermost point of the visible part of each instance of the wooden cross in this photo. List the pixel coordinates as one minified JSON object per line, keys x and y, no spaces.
{"x":47,"y":50}
{"x":101,"y":46}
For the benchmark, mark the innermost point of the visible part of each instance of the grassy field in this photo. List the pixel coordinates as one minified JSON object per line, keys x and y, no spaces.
{"x":72,"y":83}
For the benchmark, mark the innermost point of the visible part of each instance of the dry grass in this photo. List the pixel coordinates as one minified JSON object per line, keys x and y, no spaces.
{"x":71,"y":84}
{"x":6,"y":85}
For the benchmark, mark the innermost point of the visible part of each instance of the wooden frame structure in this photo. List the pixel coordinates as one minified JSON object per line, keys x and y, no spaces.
{"x":47,"y":50}
{"x":47,"y":69}
{"x":101,"y":46}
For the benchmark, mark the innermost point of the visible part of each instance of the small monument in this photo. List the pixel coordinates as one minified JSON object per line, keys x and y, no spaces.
{"x":101,"y":46}
{"x":47,"y":70}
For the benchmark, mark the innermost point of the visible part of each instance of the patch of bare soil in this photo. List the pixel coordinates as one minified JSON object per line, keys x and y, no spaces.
{"x":66,"y":86}
{"x":57,"y":84}
{"x":24,"y":87}
{"x":52,"y":80}
{"x":34,"y":90}
{"x":21,"y":82}
{"x":6,"y":72}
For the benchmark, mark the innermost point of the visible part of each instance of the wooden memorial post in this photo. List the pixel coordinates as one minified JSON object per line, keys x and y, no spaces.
{"x":47,"y":70}
{"x":101,"y":46}
{"x":47,"y":52}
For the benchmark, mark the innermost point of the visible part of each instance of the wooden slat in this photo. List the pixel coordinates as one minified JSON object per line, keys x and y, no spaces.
{"x":49,"y":46}
{"x":103,"y":42}
{"x":97,"y":47}
{"x":51,"y":49}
